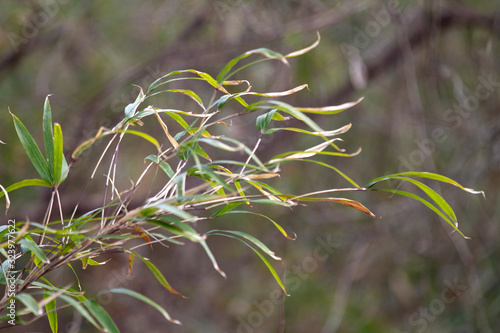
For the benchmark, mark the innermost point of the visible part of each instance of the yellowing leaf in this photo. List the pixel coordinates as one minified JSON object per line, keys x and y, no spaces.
{"x":165,"y":129}
{"x":351,"y":203}
{"x":330,"y":109}
{"x":262,"y":176}
{"x":144,"y":236}
{"x":305,"y":50}
{"x":306,"y":153}
{"x":131,"y":259}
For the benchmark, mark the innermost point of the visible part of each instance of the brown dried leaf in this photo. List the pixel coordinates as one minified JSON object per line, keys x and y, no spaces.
{"x":144,"y":236}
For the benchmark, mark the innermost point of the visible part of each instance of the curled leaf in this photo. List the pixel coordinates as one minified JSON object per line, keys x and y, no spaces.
{"x":330,"y":109}
{"x":306,"y":153}
{"x":305,"y":50}
{"x":347,"y":202}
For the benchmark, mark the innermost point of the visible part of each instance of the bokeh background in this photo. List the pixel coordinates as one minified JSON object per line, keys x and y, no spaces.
{"x":429,"y":72}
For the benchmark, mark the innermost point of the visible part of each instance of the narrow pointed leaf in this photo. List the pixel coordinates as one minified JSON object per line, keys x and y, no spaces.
{"x":81,"y":309}
{"x":176,"y":211}
{"x":306,"y":153}
{"x":34,"y":249}
{"x":279,"y":227}
{"x":24,"y":183}
{"x":227,"y":208}
{"x":102,"y":316}
{"x":156,"y":272}
{"x":144,"y":236}
{"x":429,"y":205}
{"x":333,"y":168}
{"x":142,"y":135}
{"x":248,"y":237}
{"x":347,"y":202}
{"x":48,"y":135}
{"x":212,"y":258}
{"x":131,"y":108}
{"x":329,"y":109}
{"x":272,"y":270}
{"x":299,"y":130}
{"x":223,"y":75}
{"x":434,"y":196}
{"x":189,"y":93}
{"x":266,"y":262}
{"x":32,"y":150}
{"x":58,"y":154}
{"x":427,"y":175}
{"x":262,"y":121}
{"x":30,"y":303}
{"x":50,"y":308}
{"x":305,"y":50}
{"x":173,"y":142}
{"x":145,"y":300}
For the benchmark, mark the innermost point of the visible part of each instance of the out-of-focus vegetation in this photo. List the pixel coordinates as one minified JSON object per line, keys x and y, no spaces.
{"x":429,"y":73}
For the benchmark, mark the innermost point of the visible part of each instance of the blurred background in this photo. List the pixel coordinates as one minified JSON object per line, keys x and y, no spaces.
{"x":429,"y":72}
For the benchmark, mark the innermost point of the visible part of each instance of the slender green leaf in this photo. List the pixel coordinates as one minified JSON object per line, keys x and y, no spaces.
{"x":175,"y":227}
{"x":102,"y":316}
{"x":34,"y":249}
{"x":212,"y":258}
{"x":50,"y":308}
{"x":30,"y":303}
{"x":48,"y":135}
{"x":142,"y":135}
{"x":428,"y":175}
{"x":428,"y":204}
{"x":338,"y":131}
{"x":49,"y":286}
{"x":248,"y":237}
{"x":279,"y":227}
{"x":145,"y":300}
{"x":203,"y":76}
{"x":430,"y":192}
{"x":227,"y":208}
{"x":189,"y":93}
{"x":78,"y":307}
{"x":199,"y":151}
{"x":269,"y":266}
{"x":167,"y":169}
{"x":221,"y":145}
{"x":174,"y":210}
{"x":168,"y":239}
{"x":333,"y":168}
{"x":156,"y":272}
{"x":131,"y":108}
{"x":24,"y":183}
{"x":215,"y":177}
{"x":223,"y":75}
{"x":163,"y":165}
{"x":262,"y":121}
{"x":58,"y":154}
{"x":64,"y":170}
{"x":32,"y":150}
{"x":434,"y":196}
{"x":153,"y":158}
{"x":271,"y":269}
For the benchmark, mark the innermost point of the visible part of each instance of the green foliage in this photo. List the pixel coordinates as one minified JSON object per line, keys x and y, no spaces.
{"x":173,"y":213}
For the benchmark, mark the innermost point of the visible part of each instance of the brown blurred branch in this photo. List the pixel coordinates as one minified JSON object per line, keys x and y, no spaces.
{"x":98,"y":102}
{"x":27,"y":46}
{"x":421,"y":30}
{"x":13,"y":58}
